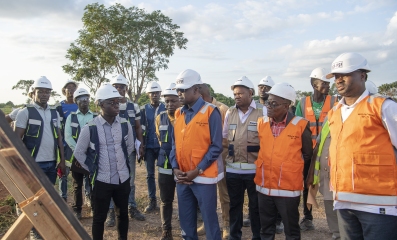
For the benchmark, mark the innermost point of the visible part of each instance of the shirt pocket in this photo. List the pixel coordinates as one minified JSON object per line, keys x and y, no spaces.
{"x":373,"y":173}
{"x":231,"y":132}
{"x":197,"y":156}
{"x":252,"y":134}
{"x":33,"y":129}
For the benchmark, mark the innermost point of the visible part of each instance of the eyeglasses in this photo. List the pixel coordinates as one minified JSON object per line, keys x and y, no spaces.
{"x":182,"y":90}
{"x":83,"y":98}
{"x":273,"y":104}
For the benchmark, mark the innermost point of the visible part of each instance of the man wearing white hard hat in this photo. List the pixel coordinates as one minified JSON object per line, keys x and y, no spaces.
{"x":131,"y":112}
{"x":149,"y":112}
{"x":195,"y":157}
{"x":240,"y":131}
{"x":314,"y":108}
{"x":102,"y":149}
{"x":363,"y":154}
{"x":73,"y":125}
{"x":64,"y":108}
{"x":165,"y":130}
{"x":283,"y":159}
{"x":222,"y":187}
{"x":264,"y":86}
{"x":38,"y":125}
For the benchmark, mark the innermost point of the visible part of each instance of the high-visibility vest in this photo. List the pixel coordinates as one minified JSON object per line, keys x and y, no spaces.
{"x":165,"y":140}
{"x":280,"y":164}
{"x":76,"y":129}
{"x":243,"y":139}
{"x":308,"y":113}
{"x":129,"y":115}
{"x":324,"y":135}
{"x":34,"y":131}
{"x":192,"y":141}
{"x":144,"y":121}
{"x":92,"y":160}
{"x":362,"y":157}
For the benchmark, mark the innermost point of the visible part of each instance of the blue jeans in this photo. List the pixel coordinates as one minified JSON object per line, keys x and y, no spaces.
{"x":63,"y":184}
{"x":151,"y":155}
{"x":203,"y":195}
{"x":131,"y":197}
{"x":358,"y":225}
{"x":49,"y":168}
{"x":236,"y":186}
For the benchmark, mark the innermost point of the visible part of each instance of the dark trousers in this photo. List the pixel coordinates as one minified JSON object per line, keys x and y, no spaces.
{"x":288,"y":209}
{"x":101,"y":195}
{"x":236,"y":186}
{"x":358,"y":225}
{"x":78,"y":180}
{"x":151,"y":155}
{"x":306,"y":212}
{"x":167,"y":192}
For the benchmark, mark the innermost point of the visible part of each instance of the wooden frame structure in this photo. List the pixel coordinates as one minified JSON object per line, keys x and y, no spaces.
{"x":41,"y":205}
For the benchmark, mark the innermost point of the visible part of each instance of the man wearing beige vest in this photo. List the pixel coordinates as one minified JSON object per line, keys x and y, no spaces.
{"x":240,"y":130}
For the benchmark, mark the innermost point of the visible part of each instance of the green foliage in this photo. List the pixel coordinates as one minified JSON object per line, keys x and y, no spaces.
{"x":143,"y":99}
{"x":23,"y":85}
{"x":221,"y":98}
{"x":122,"y":40}
{"x":388,"y":89}
{"x":332,"y":90}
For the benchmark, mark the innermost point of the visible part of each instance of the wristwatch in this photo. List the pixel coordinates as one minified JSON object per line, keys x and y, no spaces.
{"x":200,"y":170}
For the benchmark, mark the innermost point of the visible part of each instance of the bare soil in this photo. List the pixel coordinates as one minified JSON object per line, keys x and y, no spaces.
{"x":151,"y":228}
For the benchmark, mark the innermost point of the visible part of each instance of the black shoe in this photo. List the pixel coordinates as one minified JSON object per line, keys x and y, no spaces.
{"x":111,"y":219}
{"x":306,"y":225}
{"x":166,"y":235}
{"x":279,"y":227}
{"x":135,"y":213}
{"x":152,"y":206}
{"x":246,"y":222}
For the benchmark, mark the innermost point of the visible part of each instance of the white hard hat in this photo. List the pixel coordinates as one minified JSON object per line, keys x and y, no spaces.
{"x":106,"y":91}
{"x":347,"y":63}
{"x":284,"y":90}
{"x":267,"y":81}
{"x":153,"y":87}
{"x":371,"y":87}
{"x":42,"y":82}
{"x":120,"y":79}
{"x":320,"y":73}
{"x":170,"y":90}
{"x":80,"y":92}
{"x":187,"y":79}
{"x":243,"y":81}
{"x":69,"y":81}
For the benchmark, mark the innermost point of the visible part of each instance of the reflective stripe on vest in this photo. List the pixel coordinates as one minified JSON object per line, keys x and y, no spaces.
{"x":277,"y":192}
{"x":165,"y":171}
{"x":324,"y":135}
{"x":243,"y":166}
{"x":366,"y":199}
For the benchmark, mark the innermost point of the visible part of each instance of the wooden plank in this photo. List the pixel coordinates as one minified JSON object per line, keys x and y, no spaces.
{"x":10,"y":185}
{"x":29,"y":179}
{"x":20,"y":229}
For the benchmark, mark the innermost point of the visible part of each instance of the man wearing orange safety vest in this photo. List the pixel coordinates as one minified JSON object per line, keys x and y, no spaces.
{"x":363,"y":157}
{"x":194,"y":157}
{"x":283,"y":159}
{"x":314,"y":108}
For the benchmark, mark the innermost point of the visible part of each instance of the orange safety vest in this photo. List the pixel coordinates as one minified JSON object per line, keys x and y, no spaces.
{"x":192,"y":142}
{"x":362,"y":157}
{"x":279,"y":167}
{"x":308,"y":113}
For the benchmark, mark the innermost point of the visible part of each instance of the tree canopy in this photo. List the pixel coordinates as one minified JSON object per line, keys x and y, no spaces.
{"x":389,"y":89}
{"x":120,"y":40}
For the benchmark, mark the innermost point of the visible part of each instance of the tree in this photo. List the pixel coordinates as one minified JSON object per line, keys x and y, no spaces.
{"x":123,"y":40}
{"x":388,"y":89}
{"x":23,"y":85}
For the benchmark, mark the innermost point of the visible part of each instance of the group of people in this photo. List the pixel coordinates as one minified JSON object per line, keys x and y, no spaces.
{"x":344,"y":147}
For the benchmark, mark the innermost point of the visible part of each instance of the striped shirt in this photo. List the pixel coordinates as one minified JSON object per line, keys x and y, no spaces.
{"x":278,"y":127}
{"x":112,"y":165}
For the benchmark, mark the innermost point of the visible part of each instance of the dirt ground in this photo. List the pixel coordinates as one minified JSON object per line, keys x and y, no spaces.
{"x":151,"y":228}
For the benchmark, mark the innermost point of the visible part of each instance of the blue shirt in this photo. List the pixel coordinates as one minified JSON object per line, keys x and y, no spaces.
{"x":150,"y":116}
{"x":68,"y":108}
{"x":215,"y":125}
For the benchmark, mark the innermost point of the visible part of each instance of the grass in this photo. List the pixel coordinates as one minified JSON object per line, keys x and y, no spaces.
{"x":8,"y":217}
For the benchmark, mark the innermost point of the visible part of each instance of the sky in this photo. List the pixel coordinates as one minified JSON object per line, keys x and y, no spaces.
{"x":284,"y":39}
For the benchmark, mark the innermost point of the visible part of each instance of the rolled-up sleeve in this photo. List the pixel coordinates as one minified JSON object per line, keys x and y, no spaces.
{"x":82,"y":145}
{"x":215,"y":149}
